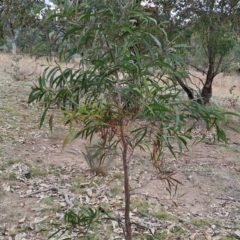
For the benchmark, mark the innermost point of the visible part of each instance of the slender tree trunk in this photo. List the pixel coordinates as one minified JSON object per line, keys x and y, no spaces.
{"x":206,"y":93}
{"x":1,"y":30}
{"x":14,"y":41}
{"x":128,"y":230}
{"x":14,"y":47}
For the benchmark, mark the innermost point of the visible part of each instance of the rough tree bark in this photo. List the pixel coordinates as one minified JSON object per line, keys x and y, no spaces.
{"x":128,"y":230}
{"x":206,"y":92}
{"x":14,"y":47}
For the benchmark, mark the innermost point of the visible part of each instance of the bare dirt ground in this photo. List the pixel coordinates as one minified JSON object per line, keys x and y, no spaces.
{"x":206,"y":206}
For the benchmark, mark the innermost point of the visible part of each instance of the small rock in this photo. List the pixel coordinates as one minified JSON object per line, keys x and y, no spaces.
{"x":25,"y":171}
{"x":37,"y":209}
{"x":213,"y":226}
{"x":189,"y":177}
{"x":89,"y":192}
{"x":63,"y":204}
{"x":109,"y":194}
{"x":20,"y":236}
{"x":60,"y":215}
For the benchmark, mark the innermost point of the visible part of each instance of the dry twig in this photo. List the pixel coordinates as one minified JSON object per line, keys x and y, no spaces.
{"x":53,"y":188}
{"x":228,"y":199}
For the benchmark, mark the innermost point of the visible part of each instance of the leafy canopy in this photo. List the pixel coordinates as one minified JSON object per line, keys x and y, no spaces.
{"x":124,"y":75}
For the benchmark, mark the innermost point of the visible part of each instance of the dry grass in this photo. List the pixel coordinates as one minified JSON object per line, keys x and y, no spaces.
{"x":22,"y":142}
{"x":26,"y":67}
{"x":30,"y":65}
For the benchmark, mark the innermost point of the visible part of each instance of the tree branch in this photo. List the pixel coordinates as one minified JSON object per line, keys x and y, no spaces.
{"x":198,"y":69}
{"x":187,"y":89}
{"x":197,"y":78}
{"x":218,"y":66}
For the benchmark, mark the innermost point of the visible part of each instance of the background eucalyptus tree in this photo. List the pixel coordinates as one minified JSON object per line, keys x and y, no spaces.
{"x":23,"y":26}
{"x":17,"y":18}
{"x":123,"y":93}
{"x":210,"y":28}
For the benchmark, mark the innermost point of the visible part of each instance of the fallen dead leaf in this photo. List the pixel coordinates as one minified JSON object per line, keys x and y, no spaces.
{"x":22,"y":220}
{"x":39,"y":220}
{"x":207,"y":236}
{"x":237,"y":234}
{"x":6,"y":187}
{"x":193,"y":236}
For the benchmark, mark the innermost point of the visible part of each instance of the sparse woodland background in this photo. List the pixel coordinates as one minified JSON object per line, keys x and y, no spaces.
{"x":138,"y":112}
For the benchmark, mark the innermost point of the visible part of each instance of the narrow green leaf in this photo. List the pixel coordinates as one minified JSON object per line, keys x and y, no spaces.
{"x":68,"y":138}
{"x":179,"y":144}
{"x":43,"y":116}
{"x":142,"y":137}
{"x":221,"y":134}
{"x":51,"y":122}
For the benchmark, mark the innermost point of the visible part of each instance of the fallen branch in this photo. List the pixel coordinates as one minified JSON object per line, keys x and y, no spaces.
{"x":121,"y":225}
{"x":65,"y":195}
{"x":147,"y":228}
{"x":228,"y":199}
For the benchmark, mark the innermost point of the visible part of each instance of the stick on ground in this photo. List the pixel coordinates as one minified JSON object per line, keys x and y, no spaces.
{"x":53,"y":188}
